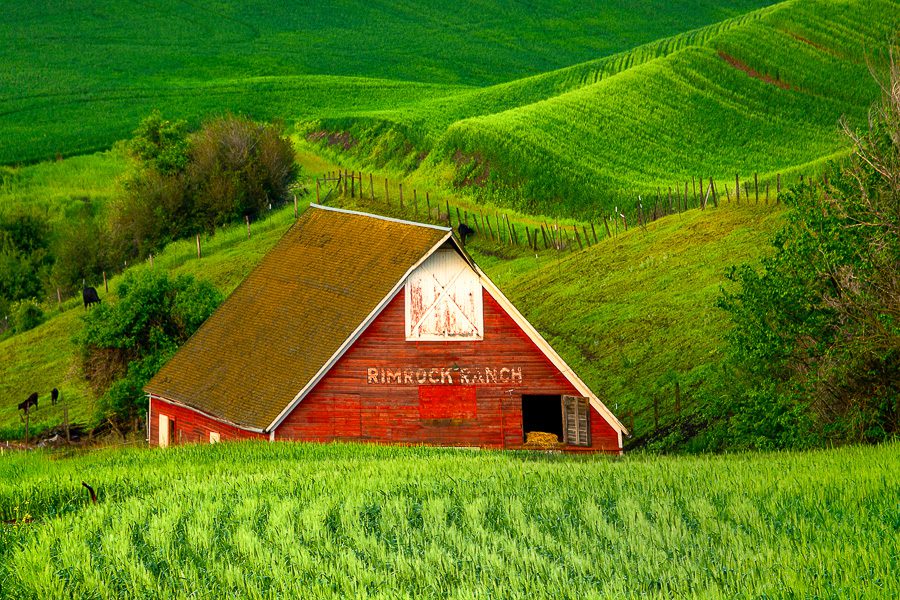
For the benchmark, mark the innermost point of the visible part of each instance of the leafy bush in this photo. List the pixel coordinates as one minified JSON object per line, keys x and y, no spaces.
{"x":817,"y":328}
{"x":124,"y":343}
{"x":182,"y":184}
{"x":25,"y":315}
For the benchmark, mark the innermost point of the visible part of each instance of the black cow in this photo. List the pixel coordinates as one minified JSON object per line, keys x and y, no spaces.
{"x":29,"y":402}
{"x":54,"y":396}
{"x":464,"y":232}
{"x":89,"y":295}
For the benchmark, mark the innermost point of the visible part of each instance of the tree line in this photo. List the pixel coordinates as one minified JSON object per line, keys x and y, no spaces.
{"x":178,"y":183}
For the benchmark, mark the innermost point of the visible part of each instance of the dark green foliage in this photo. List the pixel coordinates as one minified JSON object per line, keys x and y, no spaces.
{"x":25,"y":315}
{"x":81,"y":252}
{"x":817,"y":328}
{"x":238,"y":168}
{"x":24,"y":257}
{"x":183,"y":184}
{"x":124,"y":343}
{"x":161,"y":143}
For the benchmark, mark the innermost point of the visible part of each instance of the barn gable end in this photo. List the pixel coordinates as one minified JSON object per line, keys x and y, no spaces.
{"x":439,"y":357}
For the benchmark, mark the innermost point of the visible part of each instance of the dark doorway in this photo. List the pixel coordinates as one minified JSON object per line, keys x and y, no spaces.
{"x":542,"y":413}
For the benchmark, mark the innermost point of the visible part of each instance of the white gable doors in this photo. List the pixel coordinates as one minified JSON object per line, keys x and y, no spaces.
{"x":443,"y":300}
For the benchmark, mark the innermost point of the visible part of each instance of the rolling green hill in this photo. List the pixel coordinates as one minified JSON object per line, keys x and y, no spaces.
{"x":642,"y":314}
{"x":758,"y":94}
{"x":79,"y":75}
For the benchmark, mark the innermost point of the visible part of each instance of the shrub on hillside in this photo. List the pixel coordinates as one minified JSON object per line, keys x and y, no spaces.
{"x":25,"y":315}
{"x":183,"y":183}
{"x":817,"y":328}
{"x":124,"y":343}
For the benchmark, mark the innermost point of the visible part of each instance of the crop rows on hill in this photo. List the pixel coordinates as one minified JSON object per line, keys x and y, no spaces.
{"x":274,"y":520}
{"x":759,"y":94}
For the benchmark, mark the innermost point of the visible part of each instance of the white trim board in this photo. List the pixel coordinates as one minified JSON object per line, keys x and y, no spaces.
{"x":379,"y":217}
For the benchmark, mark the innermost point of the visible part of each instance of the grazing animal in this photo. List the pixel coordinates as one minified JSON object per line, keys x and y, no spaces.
{"x":29,"y":402}
{"x":91,"y":492}
{"x":54,"y":396}
{"x":89,"y":295}
{"x":464,"y":232}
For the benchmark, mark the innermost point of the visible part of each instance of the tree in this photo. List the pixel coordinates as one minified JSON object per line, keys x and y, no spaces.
{"x":182,"y":184}
{"x":160,"y":144}
{"x":238,"y":168}
{"x":124,"y":343}
{"x":817,"y":328}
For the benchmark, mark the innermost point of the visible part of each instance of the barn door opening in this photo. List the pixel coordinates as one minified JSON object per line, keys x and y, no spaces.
{"x":541,"y":414}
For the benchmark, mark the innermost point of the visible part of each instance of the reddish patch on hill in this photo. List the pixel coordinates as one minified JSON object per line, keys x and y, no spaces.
{"x":472,"y":169}
{"x":737,"y":64}
{"x":815,"y":45}
{"x":333,"y":138}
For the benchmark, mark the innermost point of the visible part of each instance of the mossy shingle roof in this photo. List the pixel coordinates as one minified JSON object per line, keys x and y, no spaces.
{"x":270,"y":338}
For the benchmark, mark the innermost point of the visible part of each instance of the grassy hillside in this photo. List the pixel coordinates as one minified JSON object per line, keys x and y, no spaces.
{"x":759,"y":94}
{"x":334,"y":521}
{"x":79,"y":75}
{"x":608,"y":327}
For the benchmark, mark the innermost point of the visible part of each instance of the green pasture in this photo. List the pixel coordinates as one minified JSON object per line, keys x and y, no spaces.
{"x":79,"y":75}
{"x":261,"y":520}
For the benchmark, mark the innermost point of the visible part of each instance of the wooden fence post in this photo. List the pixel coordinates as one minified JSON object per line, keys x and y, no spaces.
{"x":449,"y":220}
{"x":317,"y":198}
{"x":777,"y":186}
{"x":594,"y":231}
{"x":371,"y":187}
{"x":317,"y":193}
{"x":247,"y":219}
{"x":401,"y":195}
{"x":677,"y":399}
{"x":737,"y":188}
{"x":578,"y":237}
{"x":198,"y":245}
{"x":387,"y":195}
{"x":587,"y":240}
{"x":756,"y":186}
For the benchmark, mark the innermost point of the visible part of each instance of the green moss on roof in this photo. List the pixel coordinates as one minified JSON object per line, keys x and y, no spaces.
{"x":292,"y":313}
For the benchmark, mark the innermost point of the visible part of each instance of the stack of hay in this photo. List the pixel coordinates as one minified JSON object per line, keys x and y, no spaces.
{"x":541,"y":440}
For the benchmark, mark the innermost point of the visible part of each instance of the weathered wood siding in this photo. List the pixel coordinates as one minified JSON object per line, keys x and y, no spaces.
{"x":192,"y":427}
{"x":385,"y":389}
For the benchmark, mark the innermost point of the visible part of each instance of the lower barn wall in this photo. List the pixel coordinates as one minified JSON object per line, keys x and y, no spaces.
{"x":192,"y":427}
{"x":399,"y":407}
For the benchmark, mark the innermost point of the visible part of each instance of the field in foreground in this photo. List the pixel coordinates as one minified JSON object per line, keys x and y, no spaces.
{"x":294,"y":520}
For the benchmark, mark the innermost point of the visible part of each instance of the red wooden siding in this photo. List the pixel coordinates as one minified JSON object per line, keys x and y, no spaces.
{"x":191,"y":426}
{"x":385,"y":389}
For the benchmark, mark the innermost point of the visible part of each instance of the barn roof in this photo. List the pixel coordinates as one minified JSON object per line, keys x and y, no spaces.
{"x":321,"y":282}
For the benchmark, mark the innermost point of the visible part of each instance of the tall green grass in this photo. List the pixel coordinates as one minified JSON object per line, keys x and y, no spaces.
{"x":259,"y":520}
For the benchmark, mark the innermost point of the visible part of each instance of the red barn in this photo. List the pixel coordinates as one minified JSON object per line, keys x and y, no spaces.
{"x":361,"y":327}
